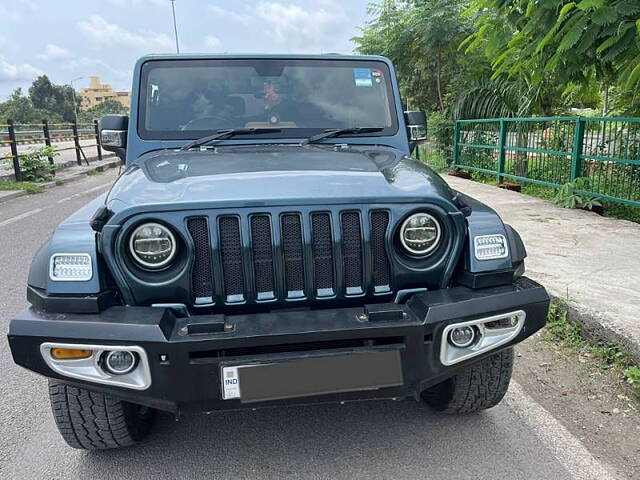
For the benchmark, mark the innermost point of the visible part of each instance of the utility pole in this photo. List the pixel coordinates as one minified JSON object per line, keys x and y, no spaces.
{"x":73,"y":96}
{"x":175,"y":25}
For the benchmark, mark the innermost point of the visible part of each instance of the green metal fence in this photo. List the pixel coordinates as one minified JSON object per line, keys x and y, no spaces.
{"x":554,"y":151}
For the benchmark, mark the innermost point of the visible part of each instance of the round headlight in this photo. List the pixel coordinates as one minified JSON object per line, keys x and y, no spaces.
{"x":420,"y":234}
{"x":152,"y":245}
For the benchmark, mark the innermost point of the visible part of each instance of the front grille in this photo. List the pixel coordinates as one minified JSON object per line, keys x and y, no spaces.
{"x":290,"y":256}
{"x":352,"y":251}
{"x":231,"y":254}
{"x":202,"y":278}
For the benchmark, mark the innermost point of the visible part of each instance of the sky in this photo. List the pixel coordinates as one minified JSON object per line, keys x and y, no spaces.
{"x":67,"y":39}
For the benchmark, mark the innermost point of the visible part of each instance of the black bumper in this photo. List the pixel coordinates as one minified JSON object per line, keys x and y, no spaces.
{"x":186,"y":353}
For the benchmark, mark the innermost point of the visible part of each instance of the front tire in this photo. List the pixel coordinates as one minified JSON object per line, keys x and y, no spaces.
{"x":95,"y":421}
{"x":481,"y":386}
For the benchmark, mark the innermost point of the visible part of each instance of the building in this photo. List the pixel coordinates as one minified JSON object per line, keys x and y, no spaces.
{"x":98,"y":92}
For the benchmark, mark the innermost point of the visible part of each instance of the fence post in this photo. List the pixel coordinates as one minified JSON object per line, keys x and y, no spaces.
{"x":456,"y":145}
{"x":76,"y":141}
{"x":98,"y":147}
{"x":14,"y":151}
{"x":47,"y":137}
{"x":502,"y":141}
{"x":576,"y":152}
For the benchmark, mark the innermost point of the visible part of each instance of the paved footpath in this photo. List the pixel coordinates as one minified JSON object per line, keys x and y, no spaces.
{"x":592,"y":261}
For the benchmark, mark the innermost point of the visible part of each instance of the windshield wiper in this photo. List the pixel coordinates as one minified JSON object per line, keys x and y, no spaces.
{"x":336,"y":132}
{"x":228,"y":132}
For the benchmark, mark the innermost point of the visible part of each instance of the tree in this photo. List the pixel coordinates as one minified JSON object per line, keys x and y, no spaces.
{"x":54,"y":98}
{"x":108,"y":106}
{"x":551,"y":43}
{"x":421,"y":38}
{"x":20,"y":109}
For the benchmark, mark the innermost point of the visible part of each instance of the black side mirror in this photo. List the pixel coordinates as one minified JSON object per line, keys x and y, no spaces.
{"x":416,"y":122}
{"x":113,"y":134}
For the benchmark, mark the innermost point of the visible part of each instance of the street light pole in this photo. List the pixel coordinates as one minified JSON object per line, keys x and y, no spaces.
{"x":175,"y":25}
{"x":73,"y":95}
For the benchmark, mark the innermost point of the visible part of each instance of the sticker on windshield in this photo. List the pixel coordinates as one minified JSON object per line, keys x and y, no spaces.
{"x":362,"y":77}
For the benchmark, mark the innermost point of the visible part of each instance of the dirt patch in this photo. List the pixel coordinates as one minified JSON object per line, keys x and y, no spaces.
{"x":596,"y":405}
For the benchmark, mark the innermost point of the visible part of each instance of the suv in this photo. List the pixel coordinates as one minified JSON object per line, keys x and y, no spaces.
{"x":271,"y":241}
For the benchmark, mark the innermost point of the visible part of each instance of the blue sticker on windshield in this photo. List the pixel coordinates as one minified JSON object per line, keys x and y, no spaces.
{"x":362,"y":77}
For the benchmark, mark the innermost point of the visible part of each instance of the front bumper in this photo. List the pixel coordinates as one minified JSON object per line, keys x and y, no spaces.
{"x":186,"y":353}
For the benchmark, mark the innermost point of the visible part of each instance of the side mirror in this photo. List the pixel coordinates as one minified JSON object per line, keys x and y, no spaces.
{"x":113,"y":134}
{"x":416,"y":122}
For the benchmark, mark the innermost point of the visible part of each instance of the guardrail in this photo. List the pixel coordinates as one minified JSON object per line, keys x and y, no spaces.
{"x":13,"y":135}
{"x":554,"y":151}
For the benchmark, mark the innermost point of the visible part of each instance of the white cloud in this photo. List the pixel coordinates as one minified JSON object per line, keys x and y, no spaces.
{"x":54,"y":52}
{"x":135,"y":3}
{"x":104,"y":33}
{"x":212,"y":43}
{"x":223,"y":13}
{"x":292,"y":26}
{"x":16,"y":72}
{"x":300,"y":28}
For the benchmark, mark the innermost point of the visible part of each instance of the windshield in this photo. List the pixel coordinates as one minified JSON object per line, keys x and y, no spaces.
{"x":186,"y":99}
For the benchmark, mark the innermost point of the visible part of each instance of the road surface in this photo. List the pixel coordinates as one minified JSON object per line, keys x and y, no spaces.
{"x":401,"y":440}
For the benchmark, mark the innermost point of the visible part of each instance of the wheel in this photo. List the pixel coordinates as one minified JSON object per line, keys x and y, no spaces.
{"x":95,"y":421}
{"x":481,"y":386}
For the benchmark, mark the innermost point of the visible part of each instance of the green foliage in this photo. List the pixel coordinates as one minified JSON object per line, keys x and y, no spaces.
{"x":569,"y":195}
{"x":107,"y":107}
{"x":29,"y":187}
{"x":44,"y":101}
{"x":422,"y":39}
{"x":633,"y":377}
{"x":562,"y":330}
{"x":559,"y":42}
{"x":440,"y":133}
{"x":35,"y":165}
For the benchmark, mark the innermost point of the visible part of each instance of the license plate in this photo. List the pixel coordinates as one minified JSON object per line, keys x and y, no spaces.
{"x":309,"y":376}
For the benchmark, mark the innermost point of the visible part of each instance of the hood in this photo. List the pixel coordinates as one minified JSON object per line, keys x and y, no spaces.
{"x":246,"y":176}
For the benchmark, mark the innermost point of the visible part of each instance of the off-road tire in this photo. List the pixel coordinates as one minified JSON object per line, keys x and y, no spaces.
{"x":95,"y":421}
{"x":481,"y":386}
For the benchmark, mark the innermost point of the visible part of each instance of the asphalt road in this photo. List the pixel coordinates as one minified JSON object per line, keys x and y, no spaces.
{"x":516,"y":440}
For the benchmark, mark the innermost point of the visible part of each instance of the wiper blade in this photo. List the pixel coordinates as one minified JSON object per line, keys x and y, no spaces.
{"x":336,"y":132}
{"x":227,"y":132}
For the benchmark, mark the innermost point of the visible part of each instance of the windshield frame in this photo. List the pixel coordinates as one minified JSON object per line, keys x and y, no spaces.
{"x":286,"y":133}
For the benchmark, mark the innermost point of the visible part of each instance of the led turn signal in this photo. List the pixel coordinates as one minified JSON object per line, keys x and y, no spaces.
{"x":70,"y":353}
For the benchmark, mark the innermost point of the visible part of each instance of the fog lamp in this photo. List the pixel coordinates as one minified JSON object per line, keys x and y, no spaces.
{"x":70,"y":267}
{"x":119,"y":362}
{"x":490,"y":247}
{"x":462,"y":337}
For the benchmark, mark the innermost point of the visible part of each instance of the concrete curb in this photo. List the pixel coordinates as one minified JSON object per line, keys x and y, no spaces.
{"x":597,"y":327}
{"x":61,"y":181}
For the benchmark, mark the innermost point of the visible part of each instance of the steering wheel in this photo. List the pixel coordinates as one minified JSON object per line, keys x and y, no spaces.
{"x":211,"y":122}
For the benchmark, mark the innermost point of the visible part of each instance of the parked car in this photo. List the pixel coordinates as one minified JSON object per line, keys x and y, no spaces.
{"x":270,"y":242}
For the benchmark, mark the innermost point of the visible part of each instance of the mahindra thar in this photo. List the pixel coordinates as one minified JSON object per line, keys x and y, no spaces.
{"x":271,"y":241}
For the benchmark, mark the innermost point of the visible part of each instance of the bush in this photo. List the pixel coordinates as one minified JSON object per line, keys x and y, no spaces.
{"x":440,"y":134}
{"x":35,"y":165}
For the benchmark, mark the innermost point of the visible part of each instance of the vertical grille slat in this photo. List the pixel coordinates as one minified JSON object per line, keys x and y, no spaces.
{"x":231,"y":254}
{"x":201,"y":276}
{"x":293,"y":253}
{"x":322,"y":247}
{"x":352,"y":252}
{"x":262,"y":246}
{"x":381,"y":269}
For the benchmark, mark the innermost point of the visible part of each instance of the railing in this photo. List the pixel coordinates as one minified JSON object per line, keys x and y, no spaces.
{"x":555,"y":151}
{"x":14,"y":136}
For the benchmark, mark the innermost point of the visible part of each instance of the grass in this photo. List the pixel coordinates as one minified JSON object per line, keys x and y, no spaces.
{"x":93,"y":173}
{"x":560,"y":329}
{"x":29,"y":187}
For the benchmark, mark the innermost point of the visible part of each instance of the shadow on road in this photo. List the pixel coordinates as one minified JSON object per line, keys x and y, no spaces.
{"x":372,"y":439}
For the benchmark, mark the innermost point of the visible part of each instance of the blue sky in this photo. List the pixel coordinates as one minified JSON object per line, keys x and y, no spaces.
{"x":66,"y":39}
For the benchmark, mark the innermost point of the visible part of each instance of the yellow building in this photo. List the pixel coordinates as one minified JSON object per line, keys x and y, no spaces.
{"x":98,"y":92}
